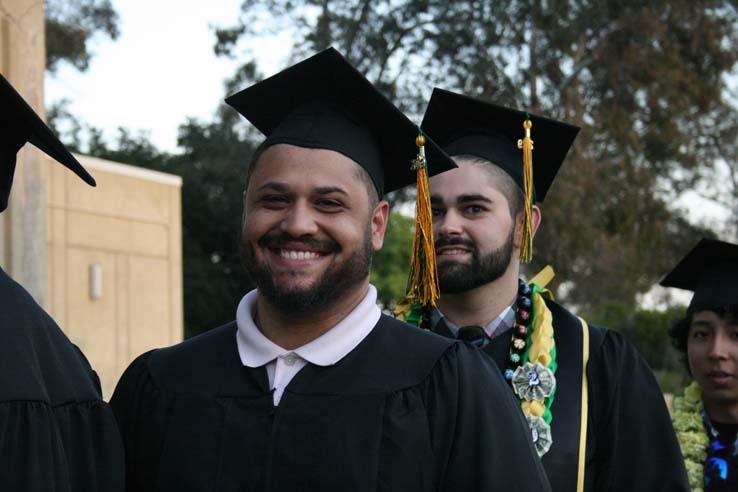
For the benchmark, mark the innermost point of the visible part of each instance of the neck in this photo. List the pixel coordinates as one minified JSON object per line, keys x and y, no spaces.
{"x":720,"y":411}
{"x":481,"y":305}
{"x":293,"y":330}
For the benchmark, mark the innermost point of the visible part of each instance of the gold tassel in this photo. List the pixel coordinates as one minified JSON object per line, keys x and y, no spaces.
{"x":422,"y":285}
{"x":526,"y":249}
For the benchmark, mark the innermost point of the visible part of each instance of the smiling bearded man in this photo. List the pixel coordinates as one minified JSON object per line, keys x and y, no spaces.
{"x":312,"y":388}
{"x":290,"y":290}
{"x":595,"y":410}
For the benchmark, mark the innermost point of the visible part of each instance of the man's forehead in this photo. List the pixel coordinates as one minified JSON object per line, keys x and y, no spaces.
{"x":276,"y":159}
{"x":284,"y":167}
{"x":467,"y":180}
{"x":710,"y":315}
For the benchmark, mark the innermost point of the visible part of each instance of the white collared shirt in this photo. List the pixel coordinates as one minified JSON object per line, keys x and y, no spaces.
{"x":256,"y":350}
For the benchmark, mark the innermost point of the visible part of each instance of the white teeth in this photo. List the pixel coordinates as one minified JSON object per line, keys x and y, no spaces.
{"x":298,"y":255}
{"x":453,"y":252}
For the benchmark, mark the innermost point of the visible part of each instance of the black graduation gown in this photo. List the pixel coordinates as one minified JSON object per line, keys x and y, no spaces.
{"x":631,"y":444}
{"x":56,"y":433}
{"x":404,"y":411}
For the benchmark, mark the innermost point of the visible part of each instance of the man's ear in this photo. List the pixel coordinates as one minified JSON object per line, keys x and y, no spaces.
{"x":535,"y":219}
{"x":380,"y":216}
{"x":535,"y":223}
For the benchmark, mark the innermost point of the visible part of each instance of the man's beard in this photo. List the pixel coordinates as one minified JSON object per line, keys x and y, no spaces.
{"x":454,"y":278}
{"x":328,"y":288}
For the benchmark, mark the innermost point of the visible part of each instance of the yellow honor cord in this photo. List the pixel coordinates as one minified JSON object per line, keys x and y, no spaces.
{"x":526,"y":248}
{"x":423,"y":282}
{"x":542,"y":342}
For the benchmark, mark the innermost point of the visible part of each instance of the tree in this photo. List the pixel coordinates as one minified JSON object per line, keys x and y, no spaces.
{"x":391,"y":264}
{"x":71,"y":25}
{"x":645,"y":80}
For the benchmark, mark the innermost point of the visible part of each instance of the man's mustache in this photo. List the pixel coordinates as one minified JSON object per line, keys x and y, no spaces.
{"x":455,"y":241}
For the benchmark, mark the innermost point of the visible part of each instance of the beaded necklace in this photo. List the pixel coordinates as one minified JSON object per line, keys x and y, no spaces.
{"x":519,"y":339}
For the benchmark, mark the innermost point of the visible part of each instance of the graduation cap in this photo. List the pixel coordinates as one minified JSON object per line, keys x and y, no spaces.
{"x":324,"y":102}
{"x":506,"y":137}
{"x":19,"y":124}
{"x":710,"y":270}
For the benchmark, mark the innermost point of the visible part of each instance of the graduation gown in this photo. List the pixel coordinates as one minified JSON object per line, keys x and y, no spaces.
{"x":404,"y":411}
{"x":56,"y":433}
{"x":631,"y":444}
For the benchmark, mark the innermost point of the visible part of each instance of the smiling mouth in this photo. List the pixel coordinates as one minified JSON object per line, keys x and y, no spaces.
{"x":451,"y":251}
{"x":291,"y":254}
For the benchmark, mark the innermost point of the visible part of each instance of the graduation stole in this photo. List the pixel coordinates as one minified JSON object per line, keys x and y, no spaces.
{"x":691,"y":434}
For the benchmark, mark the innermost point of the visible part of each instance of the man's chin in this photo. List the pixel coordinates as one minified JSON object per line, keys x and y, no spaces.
{"x":455,"y":285}
{"x":294,"y":301}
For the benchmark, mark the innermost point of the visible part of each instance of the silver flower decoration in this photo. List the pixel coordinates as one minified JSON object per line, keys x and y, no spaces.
{"x":541,"y":433}
{"x":533,"y":381}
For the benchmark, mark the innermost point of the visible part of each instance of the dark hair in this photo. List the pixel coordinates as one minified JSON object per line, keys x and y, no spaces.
{"x":508,"y":187}
{"x":679,"y":331}
{"x":361,"y":173}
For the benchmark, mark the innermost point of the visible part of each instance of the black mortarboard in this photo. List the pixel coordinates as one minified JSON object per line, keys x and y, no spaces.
{"x":464,"y":125}
{"x":324,"y":102}
{"x":711,"y":271}
{"x":19,"y":124}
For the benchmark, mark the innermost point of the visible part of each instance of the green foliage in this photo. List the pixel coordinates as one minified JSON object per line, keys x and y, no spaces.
{"x":71,"y":25}
{"x":648,"y":330}
{"x":645,"y":80}
{"x":391,"y":265}
{"x":213,"y":167}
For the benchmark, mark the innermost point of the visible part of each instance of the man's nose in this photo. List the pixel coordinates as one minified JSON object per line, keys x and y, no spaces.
{"x":299,"y":221}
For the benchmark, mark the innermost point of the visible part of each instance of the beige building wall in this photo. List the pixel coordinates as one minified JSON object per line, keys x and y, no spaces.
{"x":115,"y":262}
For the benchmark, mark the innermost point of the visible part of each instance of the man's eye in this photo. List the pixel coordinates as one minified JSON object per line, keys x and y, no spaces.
{"x":437,"y":212}
{"x":473,"y":209}
{"x":274,"y":199}
{"x":327,"y":203}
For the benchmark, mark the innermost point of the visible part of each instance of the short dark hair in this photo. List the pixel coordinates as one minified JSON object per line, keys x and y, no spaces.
{"x":361,"y":173}
{"x":679,"y":331}
{"x":509,"y":188}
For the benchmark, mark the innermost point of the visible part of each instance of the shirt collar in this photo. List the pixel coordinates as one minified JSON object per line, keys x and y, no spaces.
{"x":503,"y":322}
{"x":256,"y":350}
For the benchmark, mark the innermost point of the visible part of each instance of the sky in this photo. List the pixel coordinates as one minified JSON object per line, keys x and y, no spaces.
{"x":160,"y":71}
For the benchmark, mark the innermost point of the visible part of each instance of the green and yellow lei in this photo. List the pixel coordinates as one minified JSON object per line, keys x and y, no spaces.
{"x":690,"y":429}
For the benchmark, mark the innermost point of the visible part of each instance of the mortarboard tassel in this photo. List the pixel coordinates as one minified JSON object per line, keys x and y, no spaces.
{"x":526,"y":249}
{"x":422,"y":287}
